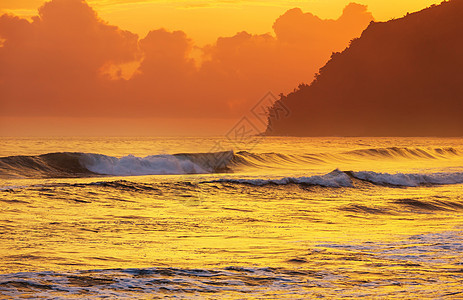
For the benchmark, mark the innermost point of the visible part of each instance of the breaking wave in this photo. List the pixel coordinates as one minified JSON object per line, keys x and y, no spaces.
{"x":335,"y":178}
{"x":67,"y":164}
{"x":55,"y":165}
{"x":411,"y":180}
{"x":195,"y":163}
{"x":339,"y":178}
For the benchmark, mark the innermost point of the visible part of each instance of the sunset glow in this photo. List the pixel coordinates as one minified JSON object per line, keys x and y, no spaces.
{"x":231,"y":149}
{"x":204,"y":21}
{"x":224,"y":55}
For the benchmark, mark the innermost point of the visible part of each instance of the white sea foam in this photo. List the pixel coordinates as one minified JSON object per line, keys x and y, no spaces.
{"x":132,"y":165}
{"x":335,"y":178}
{"x":411,"y":180}
{"x":338,"y":178}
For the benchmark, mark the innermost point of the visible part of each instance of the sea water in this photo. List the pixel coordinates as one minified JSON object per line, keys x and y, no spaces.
{"x":212,"y":218}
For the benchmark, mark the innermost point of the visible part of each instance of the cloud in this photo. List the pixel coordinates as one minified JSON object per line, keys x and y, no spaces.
{"x":55,"y":60}
{"x":166,"y":52}
{"x":245,"y":66}
{"x":69,"y":62}
{"x":297,"y":27}
{"x":73,"y":29}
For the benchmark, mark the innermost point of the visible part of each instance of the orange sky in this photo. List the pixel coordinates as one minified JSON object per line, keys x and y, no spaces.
{"x":204,"y":21}
{"x":67,"y":67}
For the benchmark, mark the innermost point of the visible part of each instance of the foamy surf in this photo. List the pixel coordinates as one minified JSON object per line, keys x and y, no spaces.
{"x":131,"y":165}
{"x":69,"y":164}
{"x":335,"y":178}
{"x":291,"y":218}
{"x":76,"y":164}
{"x":339,"y":179}
{"x":410,"y":180}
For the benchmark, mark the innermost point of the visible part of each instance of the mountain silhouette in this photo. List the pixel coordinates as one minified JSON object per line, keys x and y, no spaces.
{"x":403,"y":77}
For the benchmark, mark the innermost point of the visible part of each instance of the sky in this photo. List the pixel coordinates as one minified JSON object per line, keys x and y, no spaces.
{"x":144,"y":67}
{"x":204,"y":21}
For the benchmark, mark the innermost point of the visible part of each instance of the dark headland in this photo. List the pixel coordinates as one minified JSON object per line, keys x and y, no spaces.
{"x":403,"y":77}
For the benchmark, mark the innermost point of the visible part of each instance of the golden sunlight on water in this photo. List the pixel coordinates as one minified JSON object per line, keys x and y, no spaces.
{"x":370,"y":232}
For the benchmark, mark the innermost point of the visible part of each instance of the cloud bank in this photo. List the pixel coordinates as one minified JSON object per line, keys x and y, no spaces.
{"x":67,"y":62}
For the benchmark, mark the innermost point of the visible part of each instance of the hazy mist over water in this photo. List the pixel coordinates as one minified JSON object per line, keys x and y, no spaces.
{"x":208,"y":217}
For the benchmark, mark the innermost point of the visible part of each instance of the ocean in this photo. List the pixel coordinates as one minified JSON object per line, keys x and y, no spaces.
{"x":215,"y":217}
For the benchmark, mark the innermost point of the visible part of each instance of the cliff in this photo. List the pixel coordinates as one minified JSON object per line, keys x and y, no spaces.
{"x":403,"y":77}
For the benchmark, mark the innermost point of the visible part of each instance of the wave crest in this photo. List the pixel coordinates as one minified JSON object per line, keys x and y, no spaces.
{"x":335,"y":178}
{"x":410,"y":180}
{"x":54,"y":165}
{"x":339,"y":178}
{"x":408,"y":153}
{"x":132,"y":165}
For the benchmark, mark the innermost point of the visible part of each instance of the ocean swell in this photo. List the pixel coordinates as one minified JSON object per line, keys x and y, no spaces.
{"x":339,"y":178}
{"x":335,"y":178}
{"x":131,"y":165}
{"x":410,"y":180}
{"x":67,"y":164}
